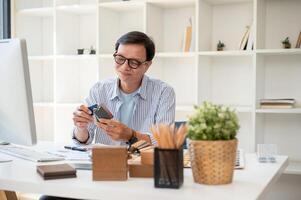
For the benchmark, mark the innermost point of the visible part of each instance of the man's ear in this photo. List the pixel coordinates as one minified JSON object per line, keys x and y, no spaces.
{"x":147,"y":66}
{"x":149,"y":63}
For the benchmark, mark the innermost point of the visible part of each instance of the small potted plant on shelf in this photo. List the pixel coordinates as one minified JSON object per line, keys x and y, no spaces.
{"x":220,"y":46}
{"x":286,"y":43}
{"x":212,"y":143}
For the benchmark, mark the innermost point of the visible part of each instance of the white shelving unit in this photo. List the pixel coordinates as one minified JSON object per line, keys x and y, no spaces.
{"x":55,"y":29}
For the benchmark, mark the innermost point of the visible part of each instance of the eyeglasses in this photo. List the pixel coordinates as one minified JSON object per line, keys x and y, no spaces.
{"x":133,"y":63}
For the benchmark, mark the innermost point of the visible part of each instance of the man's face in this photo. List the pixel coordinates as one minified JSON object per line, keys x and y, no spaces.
{"x":135,"y":52}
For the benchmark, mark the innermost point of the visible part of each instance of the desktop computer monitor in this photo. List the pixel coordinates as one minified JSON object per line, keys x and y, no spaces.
{"x":17,"y":123}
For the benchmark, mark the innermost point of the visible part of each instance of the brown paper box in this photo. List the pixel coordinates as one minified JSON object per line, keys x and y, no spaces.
{"x":141,"y":171}
{"x":147,"y":157}
{"x":109,"y":163}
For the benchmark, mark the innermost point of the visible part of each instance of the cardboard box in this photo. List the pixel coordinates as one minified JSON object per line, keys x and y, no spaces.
{"x":141,"y":171}
{"x":109,"y":163}
{"x":147,"y":157}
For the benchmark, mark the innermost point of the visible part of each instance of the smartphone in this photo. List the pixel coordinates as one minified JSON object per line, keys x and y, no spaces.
{"x":102,"y":112}
{"x":91,"y":108}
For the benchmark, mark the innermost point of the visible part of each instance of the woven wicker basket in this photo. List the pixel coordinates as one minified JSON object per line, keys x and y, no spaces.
{"x":212,"y":162}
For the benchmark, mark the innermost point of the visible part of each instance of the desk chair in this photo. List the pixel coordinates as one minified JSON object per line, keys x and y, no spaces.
{"x":178,"y":124}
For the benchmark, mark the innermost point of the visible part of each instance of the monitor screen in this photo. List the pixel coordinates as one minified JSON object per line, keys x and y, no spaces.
{"x":17,"y":123}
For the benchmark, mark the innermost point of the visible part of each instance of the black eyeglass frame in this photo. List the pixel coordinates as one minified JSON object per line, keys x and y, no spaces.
{"x":129,"y":61}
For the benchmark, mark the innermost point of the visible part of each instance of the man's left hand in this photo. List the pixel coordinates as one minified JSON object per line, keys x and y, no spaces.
{"x":115,"y":129}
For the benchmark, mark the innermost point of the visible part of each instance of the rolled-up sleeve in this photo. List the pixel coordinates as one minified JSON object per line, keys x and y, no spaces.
{"x":90,"y":100}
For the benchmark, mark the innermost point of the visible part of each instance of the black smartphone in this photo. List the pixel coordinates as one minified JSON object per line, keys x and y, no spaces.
{"x":102,"y":112}
{"x":91,"y":108}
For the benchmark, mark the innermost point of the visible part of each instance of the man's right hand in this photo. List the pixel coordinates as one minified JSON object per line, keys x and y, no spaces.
{"x":82,"y":117}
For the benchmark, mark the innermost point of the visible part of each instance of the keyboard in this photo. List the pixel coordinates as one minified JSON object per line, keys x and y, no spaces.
{"x":29,"y":154}
{"x":240,"y":159}
{"x":239,"y":162}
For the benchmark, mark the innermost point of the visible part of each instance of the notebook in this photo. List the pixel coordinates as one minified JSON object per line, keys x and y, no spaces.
{"x":56,"y":171}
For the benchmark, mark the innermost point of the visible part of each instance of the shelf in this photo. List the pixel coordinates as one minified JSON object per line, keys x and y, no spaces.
{"x":40,"y":58}
{"x":78,"y":9}
{"x":37,"y":12}
{"x":280,"y":110}
{"x":61,"y":79}
{"x":172,"y":3}
{"x":294,"y":167}
{"x":226,"y":53}
{"x":76,"y":57}
{"x":218,"y":2}
{"x":278,"y":51}
{"x":122,"y":6}
{"x":175,"y":54}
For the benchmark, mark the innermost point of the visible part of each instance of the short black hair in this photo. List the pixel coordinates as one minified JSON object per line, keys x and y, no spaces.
{"x":136,"y":37}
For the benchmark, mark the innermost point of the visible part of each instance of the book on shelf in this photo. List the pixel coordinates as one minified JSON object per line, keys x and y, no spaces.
{"x":192,"y":43}
{"x":287,"y":101}
{"x":250,"y":43}
{"x":298,"y":44}
{"x":187,"y":37}
{"x":277,"y":103}
{"x":244,"y":40}
{"x":270,"y":106}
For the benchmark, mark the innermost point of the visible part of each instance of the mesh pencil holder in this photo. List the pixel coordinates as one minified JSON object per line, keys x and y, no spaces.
{"x":212,"y":162}
{"x":168,"y":168}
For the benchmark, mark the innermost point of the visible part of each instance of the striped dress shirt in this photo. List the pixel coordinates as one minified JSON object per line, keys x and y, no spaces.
{"x":154,"y":104}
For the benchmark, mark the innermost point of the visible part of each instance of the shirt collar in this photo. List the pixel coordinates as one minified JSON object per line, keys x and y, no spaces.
{"x":141,"y":91}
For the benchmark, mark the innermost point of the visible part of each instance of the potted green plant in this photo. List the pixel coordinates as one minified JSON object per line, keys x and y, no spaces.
{"x":286,"y":43}
{"x":212,"y":143}
{"x":220,"y":46}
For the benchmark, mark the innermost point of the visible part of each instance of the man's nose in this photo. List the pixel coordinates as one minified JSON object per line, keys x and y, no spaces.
{"x":126,"y":65}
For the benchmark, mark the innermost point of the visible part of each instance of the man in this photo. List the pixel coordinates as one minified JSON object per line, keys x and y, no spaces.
{"x":135,"y":100}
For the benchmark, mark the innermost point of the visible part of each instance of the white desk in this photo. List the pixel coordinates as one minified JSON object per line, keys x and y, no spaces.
{"x":249,"y":183}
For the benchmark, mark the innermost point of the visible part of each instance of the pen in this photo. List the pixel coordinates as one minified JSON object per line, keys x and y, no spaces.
{"x":75,"y":148}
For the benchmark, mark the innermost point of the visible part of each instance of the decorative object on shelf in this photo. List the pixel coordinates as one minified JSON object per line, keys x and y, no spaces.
{"x":212,"y":146}
{"x":92,"y":50}
{"x":86,"y":51}
{"x":187,"y":37}
{"x":286,"y":43}
{"x":220,"y":46}
{"x":80,"y":51}
{"x":168,"y":157}
{"x":244,"y":40}
{"x":298,"y":44}
{"x":250,"y":43}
